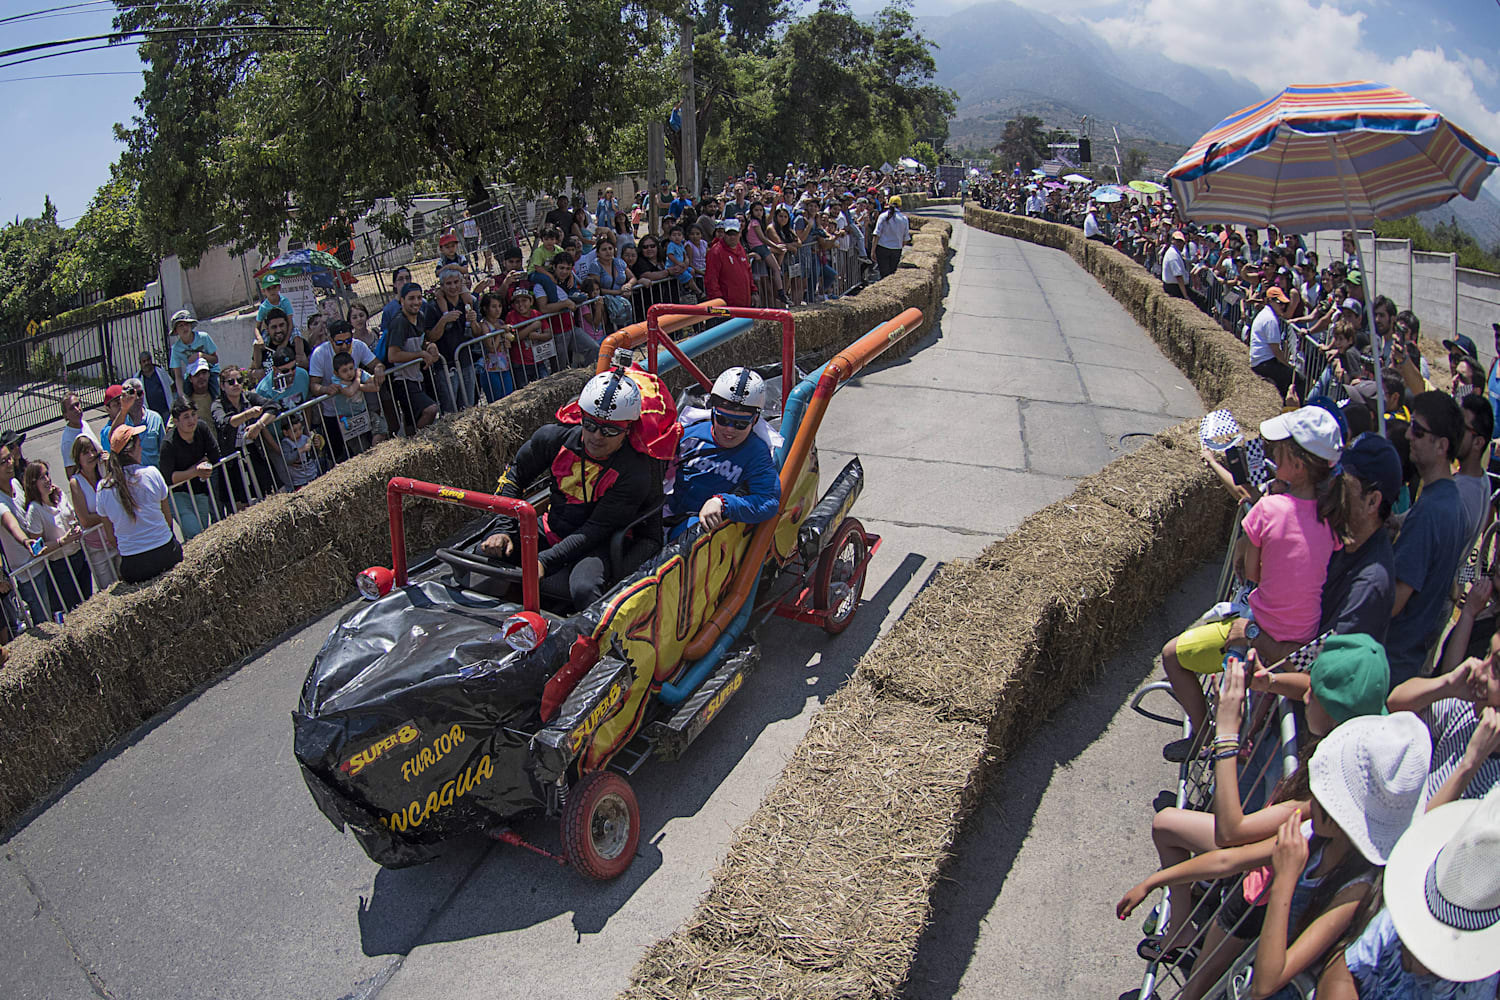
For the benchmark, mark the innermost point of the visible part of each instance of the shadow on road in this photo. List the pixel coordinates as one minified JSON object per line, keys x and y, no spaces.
{"x":492,"y":889}
{"x":985,"y":855}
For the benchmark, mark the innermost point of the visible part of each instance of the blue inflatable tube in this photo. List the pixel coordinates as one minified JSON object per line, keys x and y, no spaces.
{"x":698,"y":343}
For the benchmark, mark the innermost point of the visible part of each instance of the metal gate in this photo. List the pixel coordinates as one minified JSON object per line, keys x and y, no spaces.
{"x":37,"y":372}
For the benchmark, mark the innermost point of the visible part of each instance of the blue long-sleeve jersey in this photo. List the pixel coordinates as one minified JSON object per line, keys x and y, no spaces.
{"x":745,"y":476}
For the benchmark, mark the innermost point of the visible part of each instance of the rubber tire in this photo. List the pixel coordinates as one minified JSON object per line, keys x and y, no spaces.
{"x":823,"y":575}
{"x":584,"y":800}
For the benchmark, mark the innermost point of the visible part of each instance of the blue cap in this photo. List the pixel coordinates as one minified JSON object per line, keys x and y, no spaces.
{"x":1373,"y":459}
{"x":1462,"y":344}
{"x":1326,"y":403}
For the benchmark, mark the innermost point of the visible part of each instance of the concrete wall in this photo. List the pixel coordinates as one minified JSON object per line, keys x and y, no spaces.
{"x":1433,"y":286}
{"x":1478,"y":307}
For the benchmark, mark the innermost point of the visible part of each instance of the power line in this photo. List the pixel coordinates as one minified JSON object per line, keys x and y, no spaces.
{"x":66,"y":76}
{"x":52,"y":11}
{"x":120,"y":36}
{"x":76,"y":9}
{"x":209,"y":34}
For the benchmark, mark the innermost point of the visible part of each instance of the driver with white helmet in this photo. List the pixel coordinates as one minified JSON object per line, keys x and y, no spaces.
{"x":599,"y":485}
{"x":724,"y":469}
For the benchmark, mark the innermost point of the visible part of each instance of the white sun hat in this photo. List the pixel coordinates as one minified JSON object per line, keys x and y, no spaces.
{"x":1442,"y":887}
{"x":1370,"y":775}
{"x":1312,"y":427}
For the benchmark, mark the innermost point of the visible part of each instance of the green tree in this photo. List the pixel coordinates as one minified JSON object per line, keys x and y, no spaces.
{"x":841,"y":89}
{"x":923,"y":153}
{"x":107,"y":252}
{"x":1135,"y":163}
{"x":1445,"y":237}
{"x":29,"y":250}
{"x":242,"y":137}
{"x":1023,"y":142}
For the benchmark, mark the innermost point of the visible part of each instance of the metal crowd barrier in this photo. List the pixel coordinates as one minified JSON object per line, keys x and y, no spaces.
{"x":55,"y":584}
{"x":1268,"y":755}
{"x":259,"y":466}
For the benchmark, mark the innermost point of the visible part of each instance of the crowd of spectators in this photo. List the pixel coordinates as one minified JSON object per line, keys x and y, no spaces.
{"x":1366,"y":616}
{"x":205,"y":438}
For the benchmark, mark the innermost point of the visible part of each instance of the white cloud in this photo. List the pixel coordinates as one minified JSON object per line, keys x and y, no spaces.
{"x":1322,"y":43}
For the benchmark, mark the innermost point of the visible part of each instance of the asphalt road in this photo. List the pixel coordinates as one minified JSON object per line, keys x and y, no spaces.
{"x":190,"y":862}
{"x":1063,"y":831}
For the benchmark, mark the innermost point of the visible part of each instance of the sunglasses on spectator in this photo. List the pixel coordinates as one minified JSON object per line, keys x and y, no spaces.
{"x":232,"y":380}
{"x":1416,"y":430}
{"x":737,"y":421}
{"x":603,"y":430}
{"x":343,"y":341}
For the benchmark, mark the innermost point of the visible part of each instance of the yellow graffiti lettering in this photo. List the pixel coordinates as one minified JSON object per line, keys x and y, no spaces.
{"x":601,"y":711}
{"x":429,"y":755}
{"x":419,"y":811}
{"x":717,"y":701}
{"x":656,"y":618}
{"x":364,"y":758}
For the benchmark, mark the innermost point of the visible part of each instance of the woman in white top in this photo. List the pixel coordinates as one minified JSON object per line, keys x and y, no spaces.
{"x":82,"y":490}
{"x":50,"y":516}
{"x":26,"y":568}
{"x":134,"y":500}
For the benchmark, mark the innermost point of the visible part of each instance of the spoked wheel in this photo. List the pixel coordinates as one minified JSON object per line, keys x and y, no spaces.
{"x":601,"y":825}
{"x":840,"y":577}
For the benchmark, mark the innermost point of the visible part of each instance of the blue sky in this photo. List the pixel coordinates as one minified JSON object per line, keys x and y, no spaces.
{"x":64,"y":128}
{"x":1447,"y":53}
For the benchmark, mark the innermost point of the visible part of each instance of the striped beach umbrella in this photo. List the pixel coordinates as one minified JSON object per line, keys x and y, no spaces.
{"x":1324,"y":156}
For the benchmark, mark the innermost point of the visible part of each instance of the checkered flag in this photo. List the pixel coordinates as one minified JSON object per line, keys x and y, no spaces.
{"x":1219,"y":430}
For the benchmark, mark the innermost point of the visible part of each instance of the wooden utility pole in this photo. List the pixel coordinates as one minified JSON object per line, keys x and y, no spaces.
{"x":656,"y":157}
{"x":689,"y":113}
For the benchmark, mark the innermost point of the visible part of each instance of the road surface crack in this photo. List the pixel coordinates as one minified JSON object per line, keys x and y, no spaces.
{"x":44,"y":908}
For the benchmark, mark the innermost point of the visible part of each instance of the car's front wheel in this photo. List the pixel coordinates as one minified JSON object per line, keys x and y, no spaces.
{"x":601,"y":825}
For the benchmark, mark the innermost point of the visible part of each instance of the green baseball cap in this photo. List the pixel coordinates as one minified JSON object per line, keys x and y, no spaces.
{"x":1351,"y":677}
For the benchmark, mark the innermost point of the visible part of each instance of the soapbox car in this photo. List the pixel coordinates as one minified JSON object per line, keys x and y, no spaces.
{"x":437,"y":711}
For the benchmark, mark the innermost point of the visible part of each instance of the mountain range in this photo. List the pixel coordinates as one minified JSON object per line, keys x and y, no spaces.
{"x":1006,"y":60}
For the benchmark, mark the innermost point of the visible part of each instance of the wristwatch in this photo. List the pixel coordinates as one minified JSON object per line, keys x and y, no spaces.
{"x":1252,"y":631}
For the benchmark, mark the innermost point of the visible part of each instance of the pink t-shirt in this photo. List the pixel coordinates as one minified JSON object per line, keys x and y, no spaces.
{"x":1294,"y":549}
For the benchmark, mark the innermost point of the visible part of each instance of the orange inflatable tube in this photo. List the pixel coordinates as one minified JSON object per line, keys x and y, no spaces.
{"x":634,"y":335}
{"x":844,"y":366}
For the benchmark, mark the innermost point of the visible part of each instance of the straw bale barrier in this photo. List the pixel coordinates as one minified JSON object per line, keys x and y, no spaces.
{"x":123,"y":656}
{"x":827,"y":887}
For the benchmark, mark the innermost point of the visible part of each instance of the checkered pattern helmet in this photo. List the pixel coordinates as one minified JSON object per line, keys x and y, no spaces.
{"x":740,"y":387}
{"x":611,"y":396}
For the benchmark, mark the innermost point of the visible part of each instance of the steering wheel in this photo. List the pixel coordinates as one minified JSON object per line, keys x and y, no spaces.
{"x":470,"y":562}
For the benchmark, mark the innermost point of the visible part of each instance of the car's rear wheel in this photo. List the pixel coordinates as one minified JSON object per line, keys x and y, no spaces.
{"x":839,"y":581}
{"x":601,"y":825}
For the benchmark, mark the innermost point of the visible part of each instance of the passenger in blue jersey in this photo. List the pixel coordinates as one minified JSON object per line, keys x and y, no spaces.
{"x":725,"y":472}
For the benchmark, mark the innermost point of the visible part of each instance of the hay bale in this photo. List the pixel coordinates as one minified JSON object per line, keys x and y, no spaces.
{"x":827,"y":886}
{"x":58,"y":706}
{"x":132,"y":650}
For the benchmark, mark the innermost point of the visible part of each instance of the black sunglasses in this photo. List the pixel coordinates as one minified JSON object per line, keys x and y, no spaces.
{"x":593,"y":426}
{"x":1416,"y":430}
{"x":738,"y":421}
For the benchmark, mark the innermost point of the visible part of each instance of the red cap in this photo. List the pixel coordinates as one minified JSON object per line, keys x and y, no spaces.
{"x":114,"y":392}
{"x":447,"y":238}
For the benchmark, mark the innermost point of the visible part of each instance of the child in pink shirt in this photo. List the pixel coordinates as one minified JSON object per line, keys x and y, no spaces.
{"x":1290,"y":534}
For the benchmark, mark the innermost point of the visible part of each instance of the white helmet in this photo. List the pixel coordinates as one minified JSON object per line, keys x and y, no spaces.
{"x":741,"y":387}
{"x":611,"y":396}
